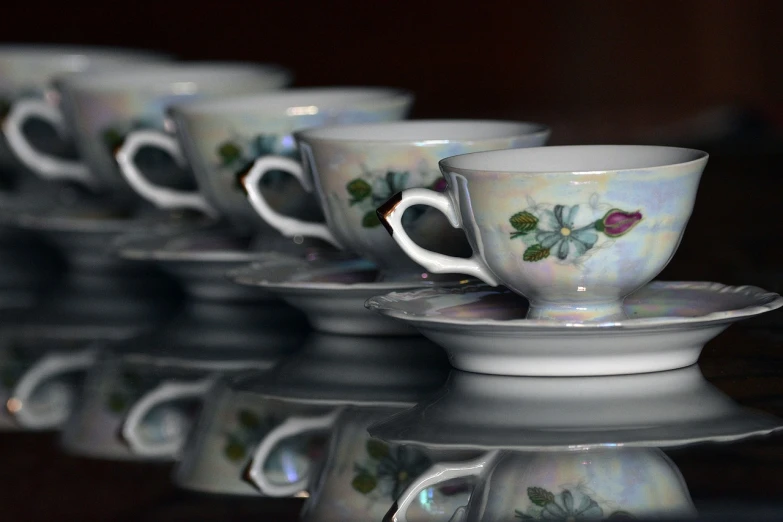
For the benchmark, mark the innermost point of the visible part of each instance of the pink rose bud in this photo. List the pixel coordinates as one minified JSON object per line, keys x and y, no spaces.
{"x":617,"y":222}
{"x":439,"y":185}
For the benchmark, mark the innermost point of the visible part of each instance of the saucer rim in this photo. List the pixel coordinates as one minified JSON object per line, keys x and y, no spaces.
{"x":383,"y":305}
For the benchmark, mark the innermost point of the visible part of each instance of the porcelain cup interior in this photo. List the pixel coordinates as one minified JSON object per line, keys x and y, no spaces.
{"x":101,"y":109}
{"x":575,"y":229}
{"x":223,"y":138}
{"x":357,"y":168}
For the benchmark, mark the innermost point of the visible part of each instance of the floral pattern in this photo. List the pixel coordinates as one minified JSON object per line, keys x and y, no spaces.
{"x":568,"y":505}
{"x":238,"y":155}
{"x":555,"y":232}
{"x":388,"y":470}
{"x":113,"y":136}
{"x":372,"y":194}
{"x":130,"y":387}
{"x":250,"y":429}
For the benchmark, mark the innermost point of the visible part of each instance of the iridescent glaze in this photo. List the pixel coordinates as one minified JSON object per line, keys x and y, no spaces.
{"x":357,"y":168}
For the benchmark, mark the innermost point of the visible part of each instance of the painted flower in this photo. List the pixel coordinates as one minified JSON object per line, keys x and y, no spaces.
{"x":569,"y":505}
{"x":617,"y":222}
{"x":572,"y":506}
{"x":440,"y":185}
{"x":399,"y":468}
{"x":564,"y":239}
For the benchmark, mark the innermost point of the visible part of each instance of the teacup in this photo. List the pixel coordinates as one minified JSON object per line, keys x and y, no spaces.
{"x":221,"y":139}
{"x":355,"y":168}
{"x":599,"y":484}
{"x":102,"y":108}
{"x":361,"y":477}
{"x":42,"y":382}
{"x":575,"y":229}
{"x":25,"y":75}
{"x":232,"y":424}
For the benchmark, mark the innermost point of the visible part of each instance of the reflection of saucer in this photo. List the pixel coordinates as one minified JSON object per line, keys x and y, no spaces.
{"x":341,"y":369}
{"x":484,"y":328}
{"x":661,"y":409}
{"x":332,"y":294}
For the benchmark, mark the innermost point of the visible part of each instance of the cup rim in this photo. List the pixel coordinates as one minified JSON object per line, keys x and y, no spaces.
{"x":28,"y":51}
{"x":152,"y":75}
{"x":297,"y":101}
{"x":362,"y":133}
{"x":457,"y":163}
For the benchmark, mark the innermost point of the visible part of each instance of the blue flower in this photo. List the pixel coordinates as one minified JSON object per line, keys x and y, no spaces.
{"x":564,"y":238}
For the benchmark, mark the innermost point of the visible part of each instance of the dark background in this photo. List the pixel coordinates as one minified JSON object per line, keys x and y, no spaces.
{"x":702,"y":73}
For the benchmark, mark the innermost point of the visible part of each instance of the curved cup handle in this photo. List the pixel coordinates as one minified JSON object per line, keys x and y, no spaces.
{"x":45,"y":165}
{"x":287,"y":226}
{"x":162,"y":197}
{"x":291,"y":427}
{"x":437,"y":474}
{"x":165,"y":392}
{"x":45,"y":369}
{"x":390,"y":214}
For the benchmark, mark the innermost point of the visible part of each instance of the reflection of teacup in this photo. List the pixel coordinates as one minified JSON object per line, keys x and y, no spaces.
{"x":574,"y":229}
{"x":101,"y":109}
{"x":599,"y":484}
{"x":26,"y":72}
{"x":43,"y":384}
{"x":221,"y":139}
{"x":355,"y":168}
{"x":231,"y":427}
{"x":361,"y":477}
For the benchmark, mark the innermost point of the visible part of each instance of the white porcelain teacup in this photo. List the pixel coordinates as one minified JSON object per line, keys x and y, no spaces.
{"x":597,"y":484}
{"x":355,"y":168}
{"x":26,"y":72}
{"x":575,"y":229}
{"x":101,"y":108}
{"x":221,"y":139}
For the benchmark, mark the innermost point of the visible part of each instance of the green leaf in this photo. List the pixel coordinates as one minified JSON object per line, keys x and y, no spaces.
{"x":229,"y":152}
{"x":112,"y":138}
{"x":234,"y":451}
{"x":364,"y":483}
{"x":377,"y":449}
{"x":370,"y":220}
{"x":359,"y":190}
{"x":248,"y":419}
{"x":523,"y":222}
{"x":523,"y":516}
{"x":540,"y":496}
{"x":535,"y":253}
{"x":117,"y":402}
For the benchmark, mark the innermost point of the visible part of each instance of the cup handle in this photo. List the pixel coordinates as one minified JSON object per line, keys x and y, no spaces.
{"x":45,"y":165}
{"x":43,"y":370}
{"x":165,"y":392}
{"x":437,"y":474}
{"x":287,"y":226}
{"x":289,"y":428}
{"x":390,"y":214}
{"x":162,"y":197}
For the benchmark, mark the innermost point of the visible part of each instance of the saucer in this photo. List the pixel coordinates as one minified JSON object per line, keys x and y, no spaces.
{"x":663,"y":409}
{"x":484,"y":328}
{"x":330,"y":292}
{"x":352,"y":370}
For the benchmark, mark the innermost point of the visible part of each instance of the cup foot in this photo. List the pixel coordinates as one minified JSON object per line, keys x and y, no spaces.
{"x":578,"y":313}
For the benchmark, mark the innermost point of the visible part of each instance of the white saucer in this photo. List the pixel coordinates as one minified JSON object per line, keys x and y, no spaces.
{"x":330,"y":293}
{"x":484,"y":328}
{"x":662,"y":409}
{"x":353,"y":370}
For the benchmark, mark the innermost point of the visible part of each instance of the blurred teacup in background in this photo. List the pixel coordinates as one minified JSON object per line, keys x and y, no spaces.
{"x":101,"y":109}
{"x":355,"y":168}
{"x":222,"y":139}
